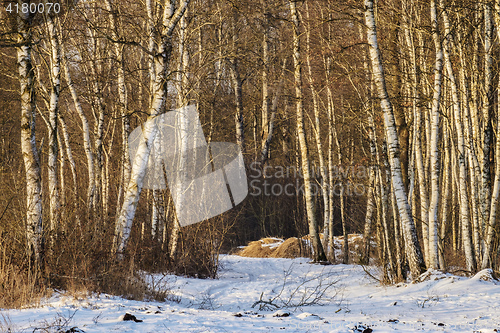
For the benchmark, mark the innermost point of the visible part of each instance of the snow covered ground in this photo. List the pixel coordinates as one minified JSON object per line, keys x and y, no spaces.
{"x":344,"y":299}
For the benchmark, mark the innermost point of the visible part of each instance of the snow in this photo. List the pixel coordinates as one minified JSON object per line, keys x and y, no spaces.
{"x":348,"y":300}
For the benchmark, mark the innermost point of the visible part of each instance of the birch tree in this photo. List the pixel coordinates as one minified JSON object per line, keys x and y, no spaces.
{"x":87,"y":144}
{"x":434,"y":153}
{"x":490,"y":227}
{"x":119,"y":58}
{"x":183,"y":127}
{"x":412,"y":246}
{"x":55,"y":79}
{"x":462,"y":181}
{"x":317,"y":130}
{"x":34,"y":226}
{"x":318,"y":253}
{"x":485,"y":193}
{"x":171,"y":15}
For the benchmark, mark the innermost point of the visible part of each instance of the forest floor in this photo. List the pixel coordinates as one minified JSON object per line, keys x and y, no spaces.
{"x":304,"y":298}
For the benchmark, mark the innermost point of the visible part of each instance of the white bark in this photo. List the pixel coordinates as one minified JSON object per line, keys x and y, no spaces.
{"x":434,"y":152}
{"x":417,"y":139}
{"x":485,"y":193}
{"x":446,"y":187}
{"x":488,"y":255}
{"x":183,"y":126}
{"x":86,"y":133}
{"x":274,"y":108}
{"x":474,"y":169}
{"x":318,"y":253}
{"x":317,"y":130}
{"x":265,"y":81}
{"x":55,"y":78}
{"x":122,"y":92}
{"x":69,"y":155}
{"x":413,"y":252}
{"x":28,"y":143}
{"x":237,"y":86}
{"x":331,"y":129}
{"x":370,"y":203}
{"x":61,"y":168}
{"x":171,"y":17}
{"x":462,"y":177}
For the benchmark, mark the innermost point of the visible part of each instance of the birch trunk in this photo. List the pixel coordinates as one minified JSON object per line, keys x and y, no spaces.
{"x":61,"y":168}
{"x":181,"y":101}
{"x":55,"y":78}
{"x":238,"y":97}
{"x":265,"y":80}
{"x":384,"y":193}
{"x":317,"y":131}
{"x":98,"y":109}
{"x":413,"y":251}
{"x":171,"y":16}
{"x":490,"y":231}
{"x":86,"y":133}
{"x":474,"y":169}
{"x":462,"y":177}
{"x":318,"y":253}
{"x":122,"y":92}
{"x":274,"y":108}
{"x":490,"y":228}
{"x":417,"y":139}
{"x":34,"y":226}
{"x":331,"y":129}
{"x":69,"y":154}
{"x":446,"y":185}
{"x":434,"y":152}
{"x":370,"y":204}
{"x":485,"y":193}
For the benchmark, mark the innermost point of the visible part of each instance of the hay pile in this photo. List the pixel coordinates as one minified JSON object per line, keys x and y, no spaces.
{"x":274,"y":248}
{"x":260,"y":249}
{"x":292,"y":247}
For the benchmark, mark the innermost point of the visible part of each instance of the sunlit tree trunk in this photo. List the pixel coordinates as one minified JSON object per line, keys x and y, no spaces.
{"x":331,"y":129}
{"x":170,"y":17}
{"x":29,"y":150}
{"x":183,"y":126}
{"x":238,"y":96}
{"x":265,"y":80}
{"x":462,"y":177}
{"x":119,"y":56}
{"x":69,"y":155}
{"x":55,"y":79}
{"x":317,"y":129}
{"x":412,"y":246}
{"x":417,"y":139}
{"x":370,"y":204}
{"x":86,"y":133}
{"x":434,"y":153}
{"x":318,"y":253}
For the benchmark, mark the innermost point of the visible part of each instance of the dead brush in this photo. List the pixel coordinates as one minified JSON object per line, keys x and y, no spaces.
{"x":19,"y":287}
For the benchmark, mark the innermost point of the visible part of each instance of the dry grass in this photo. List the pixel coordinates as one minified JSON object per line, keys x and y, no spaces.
{"x":290,"y":248}
{"x":18,"y":289}
{"x":293,"y":247}
{"x":256,"y":250}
